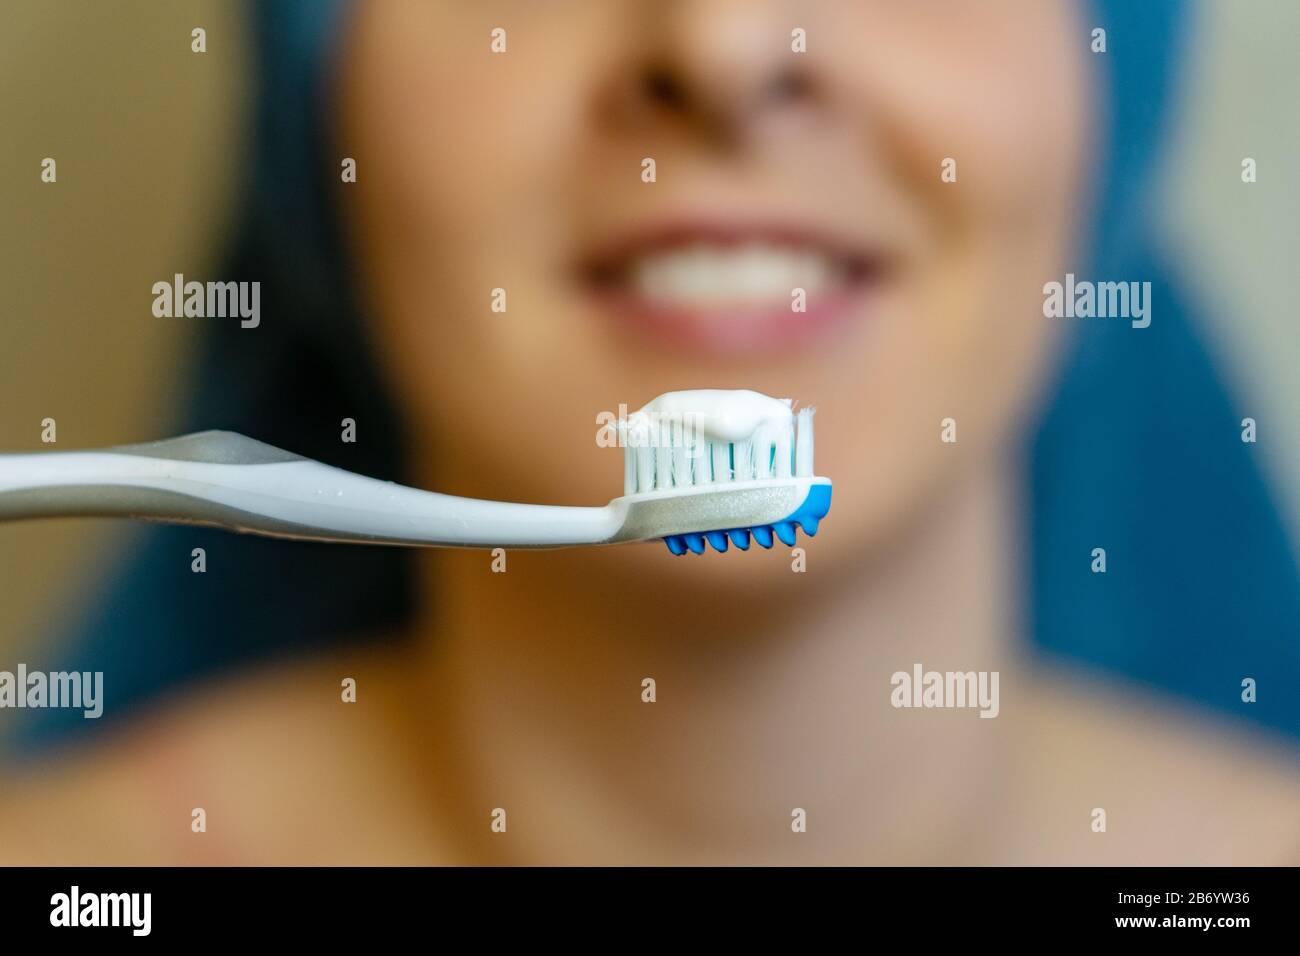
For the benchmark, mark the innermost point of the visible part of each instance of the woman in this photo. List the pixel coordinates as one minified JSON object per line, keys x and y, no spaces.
{"x":933,"y":167}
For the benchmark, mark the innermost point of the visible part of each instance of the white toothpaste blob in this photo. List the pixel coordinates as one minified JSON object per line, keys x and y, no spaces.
{"x":723,"y":415}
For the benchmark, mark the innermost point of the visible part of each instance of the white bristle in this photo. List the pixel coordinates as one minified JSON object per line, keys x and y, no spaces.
{"x":703,"y":462}
{"x":681,"y":470}
{"x":721,"y":461}
{"x":700,"y":453}
{"x":663,"y":459}
{"x":784,"y":454}
{"x":743,"y":454}
{"x":803,"y":456}
{"x":762,"y":454}
{"x":647,"y":467}
{"x":670,"y":455}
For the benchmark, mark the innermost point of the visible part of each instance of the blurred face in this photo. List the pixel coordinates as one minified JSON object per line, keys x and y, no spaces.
{"x":773,"y":170}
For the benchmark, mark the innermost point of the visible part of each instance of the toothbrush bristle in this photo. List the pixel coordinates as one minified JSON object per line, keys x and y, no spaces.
{"x":803,"y":454}
{"x":673,"y":457}
{"x":766,"y":535}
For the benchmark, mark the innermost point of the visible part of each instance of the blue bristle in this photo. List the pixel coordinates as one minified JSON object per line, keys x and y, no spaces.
{"x":808,"y":516}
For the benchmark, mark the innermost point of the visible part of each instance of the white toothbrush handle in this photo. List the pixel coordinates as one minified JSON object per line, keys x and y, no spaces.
{"x":235,"y":482}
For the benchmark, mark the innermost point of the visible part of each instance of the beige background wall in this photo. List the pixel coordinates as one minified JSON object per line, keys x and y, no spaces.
{"x":149,"y":142}
{"x":1240,"y":242}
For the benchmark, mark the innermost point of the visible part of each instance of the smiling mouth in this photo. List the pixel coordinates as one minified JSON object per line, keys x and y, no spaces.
{"x":733,"y":290}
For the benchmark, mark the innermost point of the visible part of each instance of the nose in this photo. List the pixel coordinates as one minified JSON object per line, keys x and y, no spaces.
{"x":719,"y":67}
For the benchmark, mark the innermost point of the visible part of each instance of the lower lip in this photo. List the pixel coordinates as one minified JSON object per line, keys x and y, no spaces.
{"x":739,"y":330}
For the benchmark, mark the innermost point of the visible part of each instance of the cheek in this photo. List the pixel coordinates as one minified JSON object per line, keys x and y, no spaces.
{"x":966,"y":338}
{"x":461,"y":192}
{"x":1011,"y":214}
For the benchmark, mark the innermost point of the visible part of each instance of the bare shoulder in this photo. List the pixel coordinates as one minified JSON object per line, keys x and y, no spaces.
{"x":1103,"y":775}
{"x":282,"y":768}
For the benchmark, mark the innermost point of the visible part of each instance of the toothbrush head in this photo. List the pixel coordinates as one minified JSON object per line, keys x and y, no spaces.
{"x":720,"y":468}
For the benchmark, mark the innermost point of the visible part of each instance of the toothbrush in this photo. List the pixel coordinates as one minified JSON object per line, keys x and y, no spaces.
{"x":754,"y":478}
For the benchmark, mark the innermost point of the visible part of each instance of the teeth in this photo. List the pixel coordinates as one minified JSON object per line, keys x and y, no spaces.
{"x":711,"y":275}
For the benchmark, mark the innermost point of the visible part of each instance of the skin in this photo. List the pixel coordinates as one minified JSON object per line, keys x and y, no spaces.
{"x":523,"y":690}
